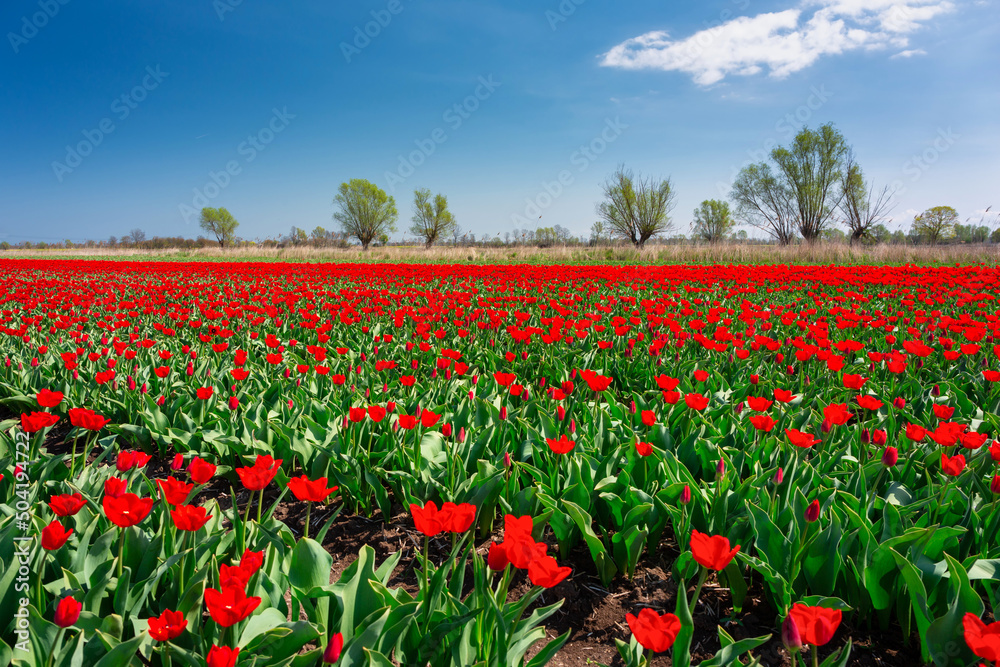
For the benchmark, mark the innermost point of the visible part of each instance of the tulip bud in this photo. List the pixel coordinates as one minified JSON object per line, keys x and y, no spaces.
{"x":790,"y":636}
{"x":233,"y":402}
{"x":560,"y":412}
{"x":446,"y":430}
{"x":503,"y":413}
{"x":826,"y":426}
{"x":334,"y":648}
{"x":812,"y":512}
{"x":572,"y":425}
{"x":34,"y":362}
{"x":131,"y":383}
{"x":879,"y":437}
{"x":631,"y":408}
{"x":899,"y":403}
{"x":936,"y":391}
{"x":178,"y":462}
{"x":291,"y":404}
{"x":865,"y":436}
{"x":739,"y":408}
{"x":190,"y":369}
{"x":890,"y":456}
{"x":461,"y":434}
{"x":720,"y":469}
{"x":995,"y":484}
{"x":472,"y":395}
{"x":368,"y":392}
{"x":541,"y":382}
{"x":434,"y":373}
{"x":415,"y":364}
{"x":524,"y":355}
{"x":685,"y":495}
{"x":779,"y":476}
{"x":161,"y":400}
{"x":506,"y":459}
{"x":754,"y":379}
{"x":143,"y":389}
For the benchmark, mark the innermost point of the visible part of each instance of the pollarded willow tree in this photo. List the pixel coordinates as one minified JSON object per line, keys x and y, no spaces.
{"x":802,"y":190}
{"x":713,"y":221}
{"x":432,"y":220}
{"x":634,"y":208}
{"x":862,"y":208}
{"x":366,"y":212}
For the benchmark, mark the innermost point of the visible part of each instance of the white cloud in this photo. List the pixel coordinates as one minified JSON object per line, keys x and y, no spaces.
{"x":909,"y":53}
{"x":782,"y":42}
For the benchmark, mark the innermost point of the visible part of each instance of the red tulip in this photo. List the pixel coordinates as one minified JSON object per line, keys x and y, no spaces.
{"x":49,"y":399}
{"x":114,"y":487}
{"x":407,"y":422}
{"x":189,"y":517}
{"x":200,"y":470}
{"x":178,"y":462}
{"x":37,"y":421}
{"x":67,"y":612}
{"x":759,"y":403}
{"x":260,"y":474}
{"x":221,"y":656}
{"x":837,"y":414}
{"x":356,"y":414}
{"x":127,"y":509}
{"x":763,"y":422}
{"x":428,"y":418}
{"x":648,"y":417}
{"x":643,"y":448}
{"x":314,"y":491}
{"x":890,"y":456}
{"x":983,"y":640}
{"x":561,"y":446}
{"x":86,"y":419}
{"x":800,"y":439}
{"x":230,"y":605}
{"x":456,"y":518}
{"x":376,"y":412}
{"x":712,"y":551}
{"x":67,"y":504}
{"x":544,"y":571}
{"x":685,"y":495}
{"x":652,"y":631}
{"x":497,"y":557}
{"x":131,"y":459}
{"x":816,"y":625}
{"x":812,"y":512}
{"x":334,"y":648}
{"x":696,"y":401}
{"x":952,"y":465}
{"x":168,"y":625}
{"x":54,"y":536}
{"x":426,"y":518}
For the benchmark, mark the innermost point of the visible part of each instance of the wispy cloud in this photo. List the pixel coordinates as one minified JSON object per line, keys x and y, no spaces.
{"x":780,"y":42}
{"x":909,"y":53}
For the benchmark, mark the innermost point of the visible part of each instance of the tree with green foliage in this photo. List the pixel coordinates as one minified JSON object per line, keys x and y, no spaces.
{"x":935,"y":224}
{"x":431,"y":219}
{"x":366,"y":212}
{"x":713,"y":221}
{"x":802,"y":190}
{"x":634,"y":208}
{"x":221,"y":223}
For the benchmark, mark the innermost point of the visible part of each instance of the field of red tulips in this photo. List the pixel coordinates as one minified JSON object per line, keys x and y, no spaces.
{"x":499,"y":466}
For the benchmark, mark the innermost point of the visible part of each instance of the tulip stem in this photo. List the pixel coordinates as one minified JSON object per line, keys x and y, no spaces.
{"x":260,"y":505}
{"x":165,"y":649}
{"x":121,"y":550}
{"x":305,"y":528}
{"x":427,"y":605}
{"x":55,"y":647}
{"x":815,"y":656}
{"x":940,"y":502}
{"x":697,"y":591}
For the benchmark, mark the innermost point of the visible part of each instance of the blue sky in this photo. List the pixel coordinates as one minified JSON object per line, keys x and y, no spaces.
{"x":121,"y":115}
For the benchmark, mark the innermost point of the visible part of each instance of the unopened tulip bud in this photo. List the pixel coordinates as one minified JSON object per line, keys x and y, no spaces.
{"x":291,"y":404}
{"x":364,"y":357}
{"x":506,"y":459}
{"x":790,"y":636}
{"x":865,"y":436}
{"x":34,"y":362}
{"x":472,"y":395}
{"x":812,"y":512}
{"x":178,"y":462}
{"x":754,"y":379}
{"x":161,"y":400}
{"x":739,"y":408}
{"x":936,"y":391}
{"x":298,"y":382}
{"x":343,"y":422}
{"x":685,"y":495}
{"x":879,"y":437}
{"x":995,"y":484}
{"x":434,"y":373}
{"x":890,"y":456}
{"x":233,"y":402}
{"x":899,"y":403}
{"x":779,"y":476}
{"x":524,"y":355}
{"x":720,"y":469}
{"x":461,"y":434}
{"x":826,"y":426}
{"x":76,"y":373}
{"x":143,"y":389}
{"x":334,"y":648}
{"x":189,"y":370}
{"x":368,"y":392}
{"x":503,"y":413}
{"x":446,"y":430}
{"x":560,"y":412}
{"x":572,"y":425}
{"x":541,"y":382}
